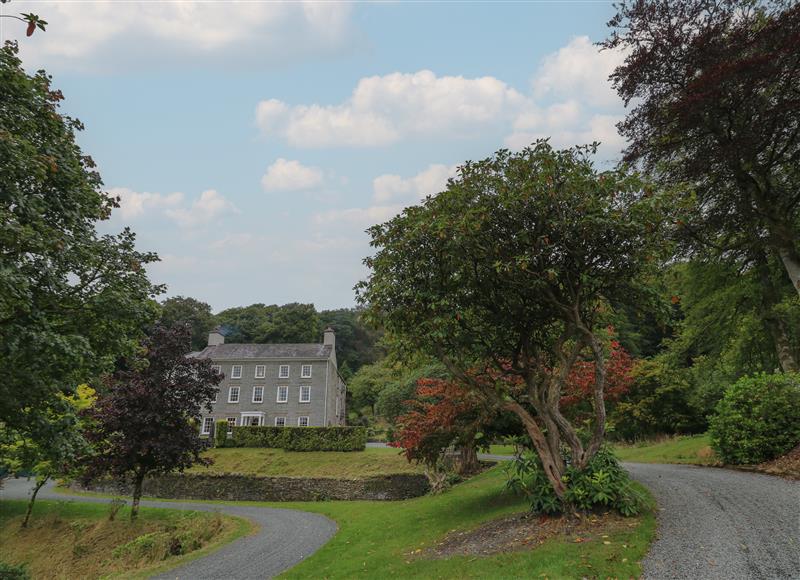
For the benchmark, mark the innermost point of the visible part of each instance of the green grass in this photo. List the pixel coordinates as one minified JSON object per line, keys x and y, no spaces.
{"x":73,"y":539}
{"x":695,"y":449}
{"x":502,"y":449}
{"x":376,"y":540}
{"x":277,"y":462}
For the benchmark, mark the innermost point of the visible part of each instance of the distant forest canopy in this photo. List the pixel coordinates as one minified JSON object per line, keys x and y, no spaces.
{"x":356,"y":344}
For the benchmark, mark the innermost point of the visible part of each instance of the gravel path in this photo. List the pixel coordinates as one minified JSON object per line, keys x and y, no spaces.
{"x":285,"y":537}
{"x":721,"y":524}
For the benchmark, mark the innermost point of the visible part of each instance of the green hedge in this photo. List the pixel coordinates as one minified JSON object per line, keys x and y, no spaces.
{"x":758,"y":419}
{"x":221,"y":434}
{"x":301,"y":438}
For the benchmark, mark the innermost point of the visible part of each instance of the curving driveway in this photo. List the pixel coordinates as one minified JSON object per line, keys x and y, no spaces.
{"x":285,"y":537}
{"x":721,"y":524}
{"x":713,"y":524}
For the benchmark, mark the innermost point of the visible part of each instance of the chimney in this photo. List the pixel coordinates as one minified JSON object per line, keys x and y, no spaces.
{"x":215,"y":337}
{"x":329,"y":338}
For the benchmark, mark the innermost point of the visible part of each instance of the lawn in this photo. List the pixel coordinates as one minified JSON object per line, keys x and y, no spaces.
{"x":389,"y":539}
{"x":502,"y":449}
{"x":77,"y":540}
{"x":695,"y":449}
{"x":277,"y":462}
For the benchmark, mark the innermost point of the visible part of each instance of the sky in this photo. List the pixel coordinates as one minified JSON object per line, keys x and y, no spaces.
{"x":252,"y":143}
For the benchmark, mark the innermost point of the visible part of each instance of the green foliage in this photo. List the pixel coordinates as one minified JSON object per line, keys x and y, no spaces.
{"x":71,"y":301}
{"x":659,"y":401}
{"x":758,"y":419}
{"x":12,"y":572}
{"x":290,"y":323}
{"x":356,"y":343}
{"x":221,"y":434}
{"x":301,"y":439}
{"x":602,"y":484}
{"x":180,"y":309}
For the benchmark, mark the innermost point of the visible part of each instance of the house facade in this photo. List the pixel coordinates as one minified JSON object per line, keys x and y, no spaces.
{"x":283,"y":385}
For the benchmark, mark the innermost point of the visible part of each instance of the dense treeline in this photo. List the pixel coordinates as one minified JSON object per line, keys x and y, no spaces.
{"x":356,"y":343}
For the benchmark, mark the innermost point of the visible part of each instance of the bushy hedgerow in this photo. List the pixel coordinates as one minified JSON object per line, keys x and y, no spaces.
{"x":221,"y":434}
{"x":302,"y":438}
{"x":757,"y":419}
{"x":12,"y":572}
{"x":603,"y":484}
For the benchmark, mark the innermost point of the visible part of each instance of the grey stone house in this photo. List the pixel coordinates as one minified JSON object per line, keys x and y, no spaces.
{"x":285,"y":385}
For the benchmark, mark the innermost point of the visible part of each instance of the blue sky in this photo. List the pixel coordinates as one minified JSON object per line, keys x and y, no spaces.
{"x":253,"y":142}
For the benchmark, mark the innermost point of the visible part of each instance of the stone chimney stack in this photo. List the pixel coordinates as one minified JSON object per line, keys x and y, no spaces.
{"x":215,"y":337}
{"x":329,"y":338}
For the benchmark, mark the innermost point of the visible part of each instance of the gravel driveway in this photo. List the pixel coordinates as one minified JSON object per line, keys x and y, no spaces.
{"x":285,"y":537}
{"x":721,"y":524}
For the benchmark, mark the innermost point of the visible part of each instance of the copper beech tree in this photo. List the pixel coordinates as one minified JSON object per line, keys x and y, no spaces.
{"x":510,"y":269}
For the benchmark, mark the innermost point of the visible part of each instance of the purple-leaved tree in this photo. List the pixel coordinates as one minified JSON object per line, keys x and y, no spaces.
{"x":147,"y":421}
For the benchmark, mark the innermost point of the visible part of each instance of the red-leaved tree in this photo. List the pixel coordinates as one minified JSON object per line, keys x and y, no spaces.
{"x":580,"y":382}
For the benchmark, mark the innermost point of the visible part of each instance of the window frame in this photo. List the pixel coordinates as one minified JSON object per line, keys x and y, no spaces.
{"x":205,"y":431}
{"x":261,"y":400}
{"x":306,"y":388}
{"x":217,"y":369}
{"x":262,"y":374}
{"x":303,"y":368}
{"x":278,"y":394}
{"x":238,"y":394}
{"x":300,"y":419}
{"x":233,"y":371}
{"x":231,"y":424}
{"x":284,"y":421}
{"x":280,"y":371}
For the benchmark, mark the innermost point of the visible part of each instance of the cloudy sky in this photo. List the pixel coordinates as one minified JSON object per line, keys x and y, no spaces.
{"x":252,"y":142}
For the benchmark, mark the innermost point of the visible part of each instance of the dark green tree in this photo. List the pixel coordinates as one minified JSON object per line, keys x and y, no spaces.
{"x":510,"y":269}
{"x":71,"y":302}
{"x":191,"y":311}
{"x":713,"y":88}
{"x":356,"y":342}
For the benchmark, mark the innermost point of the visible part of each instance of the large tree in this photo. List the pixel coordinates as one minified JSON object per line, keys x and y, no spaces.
{"x":147,"y":422}
{"x":71,"y":302}
{"x":714,"y":91}
{"x":509,"y":271}
{"x":193,"y":312}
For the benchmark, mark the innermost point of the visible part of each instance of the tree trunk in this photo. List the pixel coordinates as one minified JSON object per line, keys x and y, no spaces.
{"x":39,"y":484}
{"x":775,"y":325}
{"x":468,"y":460}
{"x":553,"y":463}
{"x":791,"y":261}
{"x":137,"y":494}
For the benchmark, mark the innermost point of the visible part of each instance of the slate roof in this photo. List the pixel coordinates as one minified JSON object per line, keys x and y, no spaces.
{"x":265,"y":351}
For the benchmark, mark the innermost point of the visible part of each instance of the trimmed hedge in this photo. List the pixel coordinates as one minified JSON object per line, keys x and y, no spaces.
{"x":301,"y":438}
{"x":221,"y":434}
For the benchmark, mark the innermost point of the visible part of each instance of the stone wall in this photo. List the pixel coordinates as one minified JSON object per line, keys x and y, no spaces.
{"x":233,"y":487}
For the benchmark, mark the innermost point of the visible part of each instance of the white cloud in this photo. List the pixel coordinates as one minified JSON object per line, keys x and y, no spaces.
{"x":133,"y":204}
{"x":383,"y":109}
{"x":285,"y":175}
{"x":389,"y":187}
{"x":578,"y":69}
{"x":107,"y":34}
{"x":208,"y":207}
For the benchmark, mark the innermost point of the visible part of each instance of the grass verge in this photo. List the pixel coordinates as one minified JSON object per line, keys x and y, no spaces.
{"x":694,"y":449}
{"x":277,"y":462}
{"x":77,"y":540}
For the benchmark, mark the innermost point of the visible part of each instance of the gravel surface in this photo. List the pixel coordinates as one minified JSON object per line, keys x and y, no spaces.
{"x":721,"y":524}
{"x":284,"y":538}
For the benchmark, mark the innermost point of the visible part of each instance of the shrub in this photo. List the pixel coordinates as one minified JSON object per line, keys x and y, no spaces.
{"x":12,"y":572}
{"x":221,"y":434}
{"x":302,"y":438}
{"x":602,"y":484}
{"x":757,"y":419}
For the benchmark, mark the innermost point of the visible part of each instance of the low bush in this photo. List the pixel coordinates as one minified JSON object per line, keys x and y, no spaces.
{"x":603,"y":484}
{"x":301,"y":438}
{"x":757,"y":419}
{"x":221,"y":434}
{"x":11,"y":572}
